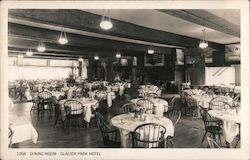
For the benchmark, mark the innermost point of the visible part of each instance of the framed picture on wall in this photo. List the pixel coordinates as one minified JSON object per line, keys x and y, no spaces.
{"x":154,"y":60}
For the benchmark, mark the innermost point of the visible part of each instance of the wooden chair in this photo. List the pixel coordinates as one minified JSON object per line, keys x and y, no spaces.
{"x":100,"y":92}
{"x":73,"y":110}
{"x":147,"y":104}
{"x":175,"y":116}
{"x":45,"y":99}
{"x":109,"y":134}
{"x":148,"y":135}
{"x":212,"y":143}
{"x":171,"y":104}
{"x":151,"y":95}
{"x":238,"y":137}
{"x":212,"y":126}
{"x":78,"y":92}
{"x":94,"y":109}
{"x":128,"y":108}
{"x":35,"y":101}
{"x":218,"y":103}
{"x":192,"y":106}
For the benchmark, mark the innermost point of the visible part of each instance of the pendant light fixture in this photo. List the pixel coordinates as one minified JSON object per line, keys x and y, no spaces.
{"x":29,"y":52}
{"x":118,"y":54}
{"x":63,"y":38}
{"x":106,"y":23}
{"x":96,"y":58}
{"x":151,"y":50}
{"x":41,"y":47}
{"x":80,"y":59}
{"x":203,"y":43}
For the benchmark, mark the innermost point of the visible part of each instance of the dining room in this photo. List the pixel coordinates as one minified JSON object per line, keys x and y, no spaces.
{"x":124,"y":78}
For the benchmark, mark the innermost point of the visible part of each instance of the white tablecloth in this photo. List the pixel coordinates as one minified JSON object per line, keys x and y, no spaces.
{"x":203,"y":100}
{"x":161,"y":105}
{"x":57,"y":94}
{"x":149,"y":89}
{"x":126,"y":124}
{"x":87,"y":112}
{"x":23,"y":129}
{"x":230,"y":119}
{"x":109,"y":96}
{"x":11,"y":104}
{"x":71,"y":92}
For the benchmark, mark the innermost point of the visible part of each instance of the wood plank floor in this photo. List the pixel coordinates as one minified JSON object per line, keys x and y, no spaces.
{"x":188,"y":132}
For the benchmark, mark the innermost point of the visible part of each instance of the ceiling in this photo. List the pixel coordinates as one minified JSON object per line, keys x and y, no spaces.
{"x":132,"y":33}
{"x":168,"y":21}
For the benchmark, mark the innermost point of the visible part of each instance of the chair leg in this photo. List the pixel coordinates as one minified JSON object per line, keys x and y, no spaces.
{"x":220,"y":139}
{"x":204,"y":137}
{"x":237,"y":143}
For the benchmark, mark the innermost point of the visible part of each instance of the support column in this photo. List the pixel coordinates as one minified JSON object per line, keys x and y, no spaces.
{"x":90,"y":70}
{"x":195,"y":71}
{"x":80,"y":69}
{"x":110,"y":69}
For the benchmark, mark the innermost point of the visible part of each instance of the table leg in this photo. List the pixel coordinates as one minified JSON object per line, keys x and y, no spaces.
{"x":229,"y":145}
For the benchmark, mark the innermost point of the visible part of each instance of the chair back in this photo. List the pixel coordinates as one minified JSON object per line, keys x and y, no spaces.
{"x":210,"y":123}
{"x":102,"y":93}
{"x":174,"y":116}
{"x":97,"y":105}
{"x":148,"y":135}
{"x":109,"y":135}
{"x":45,"y":95}
{"x":127,"y":97}
{"x":147,"y":105}
{"x":172,"y":101}
{"x":78,"y":92}
{"x":151,"y":95}
{"x":128,"y":108}
{"x":73,"y":107}
{"x":212,"y":143}
{"x":218,"y":103}
{"x":191,"y":102}
{"x":101,"y":123}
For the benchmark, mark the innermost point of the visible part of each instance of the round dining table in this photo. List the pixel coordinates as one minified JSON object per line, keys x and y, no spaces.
{"x":161,"y":105}
{"x":87,"y":112}
{"x":57,"y":94}
{"x":231,"y":120}
{"x":126,"y":123}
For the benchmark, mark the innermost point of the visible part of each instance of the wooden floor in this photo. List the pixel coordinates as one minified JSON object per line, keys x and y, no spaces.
{"x":188,"y":132}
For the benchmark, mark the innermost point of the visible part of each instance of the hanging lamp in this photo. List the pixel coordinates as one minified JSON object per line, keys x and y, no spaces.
{"x":41,"y":47}
{"x":106,"y":23}
{"x":151,"y":50}
{"x":63,"y":38}
{"x":29,"y":52}
{"x":203,"y":43}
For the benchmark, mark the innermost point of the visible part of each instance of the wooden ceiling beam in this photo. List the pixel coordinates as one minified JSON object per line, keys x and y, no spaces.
{"x":85,"y":21}
{"x":206,"y":19}
{"x":79,"y":43}
{"x":22,"y":45}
